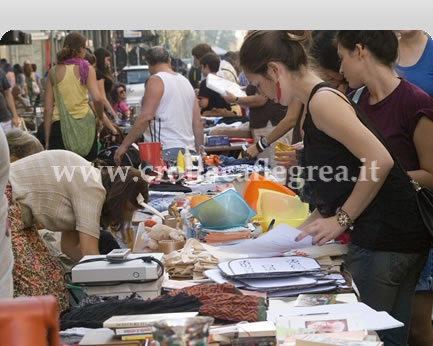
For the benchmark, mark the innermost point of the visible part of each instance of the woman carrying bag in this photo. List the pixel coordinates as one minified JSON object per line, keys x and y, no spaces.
{"x":69,"y":122}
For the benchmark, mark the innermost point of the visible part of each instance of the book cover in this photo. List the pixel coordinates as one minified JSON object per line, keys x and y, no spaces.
{"x":136,"y":337}
{"x":313,"y":340}
{"x":244,"y":330}
{"x":135,"y":330}
{"x":318,"y":323}
{"x":143,"y":320}
{"x":104,"y":338}
{"x":316,"y":299}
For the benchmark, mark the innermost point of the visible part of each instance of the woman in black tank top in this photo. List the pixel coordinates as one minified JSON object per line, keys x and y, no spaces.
{"x":351,"y":176}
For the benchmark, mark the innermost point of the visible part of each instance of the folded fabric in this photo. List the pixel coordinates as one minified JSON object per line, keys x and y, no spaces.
{"x":226,"y":302}
{"x":93,"y":315}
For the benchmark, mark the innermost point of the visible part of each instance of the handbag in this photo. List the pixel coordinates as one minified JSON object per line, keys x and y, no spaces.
{"x":424,"y":196}
{"x":424,"y":200}
{"x":78,"y":134}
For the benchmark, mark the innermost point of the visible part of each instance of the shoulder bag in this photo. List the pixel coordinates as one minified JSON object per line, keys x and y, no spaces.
{"x":78,"y":134}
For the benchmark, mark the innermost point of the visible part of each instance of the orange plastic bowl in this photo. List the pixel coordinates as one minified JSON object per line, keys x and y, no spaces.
{"x":196,"y":200}
{"x":256,"y":182}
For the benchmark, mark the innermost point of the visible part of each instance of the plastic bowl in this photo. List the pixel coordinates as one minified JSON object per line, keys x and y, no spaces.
{"x":196,"y":200}
{"x":256,"y":182}
{"x":286,"y":209}
{"x":226,"y":210}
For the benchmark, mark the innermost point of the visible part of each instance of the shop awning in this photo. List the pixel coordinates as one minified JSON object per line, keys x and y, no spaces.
{"x":13,"y":37}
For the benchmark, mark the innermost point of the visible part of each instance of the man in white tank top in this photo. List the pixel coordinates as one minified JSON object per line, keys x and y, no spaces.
{"x":170,"y":113}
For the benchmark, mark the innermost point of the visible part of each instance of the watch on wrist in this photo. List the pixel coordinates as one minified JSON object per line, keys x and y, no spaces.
{"x":264,"y":142}
{"x":343,"y":218}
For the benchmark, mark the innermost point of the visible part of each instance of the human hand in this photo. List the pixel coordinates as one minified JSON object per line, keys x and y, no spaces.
{"x":119,"y":154}
{"x":321,"y":230}
{"x":229,"y":97}
{"x":252,"y":151}
{"x":286,"y":159}
{"x":16,"y":121}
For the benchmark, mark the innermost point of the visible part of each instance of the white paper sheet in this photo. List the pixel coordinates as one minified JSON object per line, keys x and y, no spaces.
{"x":374,"y":320}
{"x":273,"y":243}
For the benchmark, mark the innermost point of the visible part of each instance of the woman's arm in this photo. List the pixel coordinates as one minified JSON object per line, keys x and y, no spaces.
{"x":256,"y":100}
{"x":97,"y":98}
{"x":423,"y":141}
{"x":150,"y":102}
{"x":76,"y":244}
{"x":105,"y":101}
{"x":338,"y":120}
{"x":197,"y":127}
{"x":284,"y":126}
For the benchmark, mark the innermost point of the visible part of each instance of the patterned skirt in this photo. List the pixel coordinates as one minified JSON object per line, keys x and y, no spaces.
{"x":36,"y":271}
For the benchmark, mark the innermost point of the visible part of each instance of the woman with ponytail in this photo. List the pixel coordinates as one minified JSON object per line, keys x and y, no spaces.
{"x":351,"y":177}
{"x":66,"y":95}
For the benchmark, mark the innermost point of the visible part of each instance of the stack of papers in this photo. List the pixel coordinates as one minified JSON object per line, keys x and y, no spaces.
{"x":277,"y":276}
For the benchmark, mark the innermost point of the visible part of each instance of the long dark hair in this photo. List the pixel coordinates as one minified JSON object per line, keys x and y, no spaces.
{"x":121,"y":187}
{"x":114,"y":94}
{"x":101,"y":54}
{"x":382,"y":43}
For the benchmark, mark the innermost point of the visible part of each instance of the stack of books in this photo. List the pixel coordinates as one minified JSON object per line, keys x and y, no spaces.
{"x":133,"y":333}
{"x":261,"y":333}
{"x":129,"y":330}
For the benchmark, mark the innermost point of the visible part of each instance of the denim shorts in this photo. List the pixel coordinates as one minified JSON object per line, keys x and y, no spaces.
{"x":425,"y":281}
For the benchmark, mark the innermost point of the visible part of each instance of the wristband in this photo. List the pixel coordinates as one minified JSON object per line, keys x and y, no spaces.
{"x":264,"y":142}
{"x":259,"y":146}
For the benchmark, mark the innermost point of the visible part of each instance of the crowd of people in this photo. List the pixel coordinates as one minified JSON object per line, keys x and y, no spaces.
{"x":358,"y":99}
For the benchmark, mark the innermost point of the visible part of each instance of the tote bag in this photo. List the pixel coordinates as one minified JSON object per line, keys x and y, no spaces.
{"x":78,"y":134}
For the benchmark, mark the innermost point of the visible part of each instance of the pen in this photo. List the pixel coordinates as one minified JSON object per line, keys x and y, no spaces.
{"x":271,"y":225}
{"x":315,"y":314}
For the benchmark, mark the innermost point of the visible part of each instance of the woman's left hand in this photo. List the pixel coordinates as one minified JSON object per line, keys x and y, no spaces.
{"x":321,"y":230}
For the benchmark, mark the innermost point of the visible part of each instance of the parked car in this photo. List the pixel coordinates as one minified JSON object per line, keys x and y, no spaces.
{"x":134,"y":78}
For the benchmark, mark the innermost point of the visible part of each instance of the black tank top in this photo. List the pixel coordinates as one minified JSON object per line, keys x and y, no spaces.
{"x":391,"y":222}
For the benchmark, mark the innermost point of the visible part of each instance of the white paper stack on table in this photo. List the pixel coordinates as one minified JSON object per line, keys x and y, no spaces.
{"x":277,"y":276}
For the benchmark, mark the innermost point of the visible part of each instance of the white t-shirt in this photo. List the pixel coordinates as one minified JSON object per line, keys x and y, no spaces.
{"x":173,"y":118}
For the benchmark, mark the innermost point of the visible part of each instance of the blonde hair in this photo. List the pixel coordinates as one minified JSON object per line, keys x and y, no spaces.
{"x":22,"y":143}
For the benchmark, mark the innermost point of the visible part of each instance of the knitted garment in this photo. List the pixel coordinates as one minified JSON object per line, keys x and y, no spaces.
{"x":93,"y":315}
{"x":226,"y":302}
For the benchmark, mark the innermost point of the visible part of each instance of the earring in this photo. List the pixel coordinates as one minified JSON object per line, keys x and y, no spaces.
{"x":278,"y":91}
